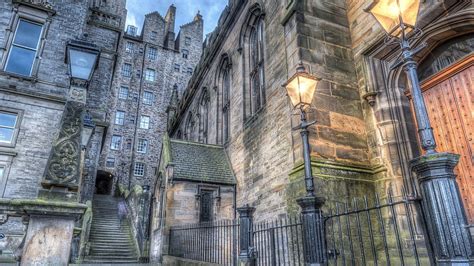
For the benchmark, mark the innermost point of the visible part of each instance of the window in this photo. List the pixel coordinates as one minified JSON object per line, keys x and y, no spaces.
{"x":154,"y":35}
{"x":203,"y":116}
{"x":207,"y":206}
{"x":185,"y":54}
{"x":152,"y":53}
{"x":226,"y":102}
{"x":190,"y":70}
{"x":110,"y":163}
{"x":24,"y":48}
{"x":8,"y":127}
{"x":142,"y":145}
{"x":145,"y":122}
{"x":177,"y":67}
{"x":139,"y":169}
{"x":256,"y":67}
{"x":187,"y":40}
{"x":129,"y":47}
{"x":189,"y":128}
{"x":127,"y":70}
{"x":123,"y":93}
{"x":119,"y":117}
{"x":148,"y":98}
{"x":150,"y":75}
{"x":116,"y":142}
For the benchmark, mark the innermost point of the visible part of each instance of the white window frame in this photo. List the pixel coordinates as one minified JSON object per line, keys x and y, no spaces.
{"x":150,"y":74}
{"x":119,"y":146}
{"x":129,"y":47}
{"x":126,"y":72}
{"x":119,"y":117}
{"x":152,"y":53}
{"x":148,"y":97}
{"x":121,"y":94}
{"x":136,"y":169}
{"x":16,"y":128}
{"x":145,"y":122}
{"x":142,"y":146}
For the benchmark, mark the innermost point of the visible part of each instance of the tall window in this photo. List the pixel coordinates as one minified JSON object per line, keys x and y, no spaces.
{"x":123,"y":93}
{"x":139,"y":169}
{"x":207,"y":206}
{"x":129,"y":47}
{"x":203,"y":116}
{"x":189,"y":128}
{"x":152,"y":53}
{"x":148,"y":97}
{"x":226,"y":103}
{"x":257,"y":94}
{"x":150,"y":74}
{"x":145,"y":122}
{"x":154,"y":35}
{"x":116,"y":143}
{"x":185,"y":54}
{"x":8,"y":127}
{"x":24,"y":48}
{"x":119,"y":117}
{"x":127,"y":70}
{"x":177,"y":67}
{"x":189,"y":70}
{"x":142,"y":145}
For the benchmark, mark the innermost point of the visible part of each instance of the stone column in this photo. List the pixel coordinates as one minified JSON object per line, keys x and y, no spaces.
{"x":313,"y":230}
{"x":442,"y":208}
{"x":246,"y":256}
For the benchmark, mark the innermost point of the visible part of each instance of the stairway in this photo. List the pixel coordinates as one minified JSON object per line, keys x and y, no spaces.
{"x":110,"y":243}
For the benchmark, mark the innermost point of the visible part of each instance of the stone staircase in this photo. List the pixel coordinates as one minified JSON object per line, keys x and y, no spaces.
{"x":110,"y":242}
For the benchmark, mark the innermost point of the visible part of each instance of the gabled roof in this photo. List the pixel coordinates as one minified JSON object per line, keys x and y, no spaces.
{"x":200,"y":162}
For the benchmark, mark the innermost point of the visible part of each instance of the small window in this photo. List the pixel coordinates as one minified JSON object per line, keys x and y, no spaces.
{"x":139,"y":169}
{"x":127,"y":70}
{"x":8,"y":125}
{"x":145,"y":122}
{"x":154,"y":35}
{"x":207,"y":206}
{"x":190,"y":70}
{"x":148,"y":98}
{"x":123,"y":93}
{"x":185,"y":54}
{"x":142,"y":145}
{"x":187,"y":40}
{"x":177,"y":67}
{"x":119,"y":117}
{"x":150,"y":75}
{"x":152,"y":53}
{"x":116,"y":142}
{"x":110,"y":163}
{"x":129,"y":47}
{"x":24,"y":48}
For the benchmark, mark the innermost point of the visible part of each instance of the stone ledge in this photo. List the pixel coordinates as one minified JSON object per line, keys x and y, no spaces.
{"x":42,"y":207}
{"x":175,"y":261}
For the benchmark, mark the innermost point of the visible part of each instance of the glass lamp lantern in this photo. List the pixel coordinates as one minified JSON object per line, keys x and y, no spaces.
{"x":82,"y":60}
{"x":301,"y":87}
{"x":395,"y":16}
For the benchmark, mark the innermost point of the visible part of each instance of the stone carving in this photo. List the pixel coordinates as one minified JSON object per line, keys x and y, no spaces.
{"x":41,"y":3}
{"x":63,"y":167}
{"x":77,"y":94}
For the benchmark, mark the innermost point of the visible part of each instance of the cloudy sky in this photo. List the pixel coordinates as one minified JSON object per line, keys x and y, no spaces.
{"x":185,"y":11}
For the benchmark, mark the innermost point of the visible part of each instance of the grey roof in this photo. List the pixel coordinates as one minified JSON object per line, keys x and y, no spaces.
{"x":200,"y":162}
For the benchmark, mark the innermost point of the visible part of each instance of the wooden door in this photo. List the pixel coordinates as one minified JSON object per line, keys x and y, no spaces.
{"x":449,"y":98}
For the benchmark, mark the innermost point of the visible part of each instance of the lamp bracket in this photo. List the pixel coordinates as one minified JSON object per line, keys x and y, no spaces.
{"x":304,"y":125}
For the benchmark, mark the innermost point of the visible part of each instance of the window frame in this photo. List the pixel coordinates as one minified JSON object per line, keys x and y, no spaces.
{"x":107,"y":160}
{"x":129,"y":75}
{"x":129,"y":47}
{"x":112,"y":146}
{"x":120,"y":93}
{"x":150,"y":75}
{"x":148,"y":100}
{"x":16,"y":129}
{"x":144,"y":147}
{"x":150,"y":55}
{"x":177,"y":67}
{"x":187,"y":40}
{"x":185,"y":54}
{"x":142,"y":170}
{"x":147,"y":123}
{"x":121,"y":120}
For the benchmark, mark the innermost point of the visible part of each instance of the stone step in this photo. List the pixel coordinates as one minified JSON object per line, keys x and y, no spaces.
{"x":111,"y":248}
{"x":117,"y":253}
{"x":111,"y":257}
{"x":116,"y":245}
{"x":109,"y":262}
{"x":111,"y":238}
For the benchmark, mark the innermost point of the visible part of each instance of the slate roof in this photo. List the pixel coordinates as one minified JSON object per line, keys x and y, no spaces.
{"x":200,"y":162}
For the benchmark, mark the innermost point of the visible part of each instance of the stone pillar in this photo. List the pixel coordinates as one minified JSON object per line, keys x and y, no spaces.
{"x":313,"y":230}
{"x":442,"y":208}
{"x":246,"y":256}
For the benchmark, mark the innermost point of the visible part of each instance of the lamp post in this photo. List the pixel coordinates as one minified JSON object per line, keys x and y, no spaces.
{"x":63,"y":172}
{"x":442,"y":205}
{"x":300,"y":88}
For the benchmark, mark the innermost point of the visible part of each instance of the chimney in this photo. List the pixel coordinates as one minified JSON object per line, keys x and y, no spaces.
{"x":169,"y":28}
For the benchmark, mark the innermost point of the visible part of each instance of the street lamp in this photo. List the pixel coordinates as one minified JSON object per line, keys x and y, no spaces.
{"x":300,"y":88}
{"x":434,"y":171}
{"x":82,"y":60}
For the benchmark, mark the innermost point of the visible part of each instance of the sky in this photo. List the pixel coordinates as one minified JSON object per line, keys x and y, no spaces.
{"x":186,"y":10}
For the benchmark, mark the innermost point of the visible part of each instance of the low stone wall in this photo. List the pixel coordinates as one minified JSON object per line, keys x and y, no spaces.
{"x":175,"y":261}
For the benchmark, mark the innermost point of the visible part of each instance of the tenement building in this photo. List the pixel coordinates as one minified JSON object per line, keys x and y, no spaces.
{"x":118,"y":146}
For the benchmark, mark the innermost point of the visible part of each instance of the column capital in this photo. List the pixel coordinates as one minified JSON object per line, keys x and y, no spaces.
{"x":433,"y":166}
{"x":310,"y":204}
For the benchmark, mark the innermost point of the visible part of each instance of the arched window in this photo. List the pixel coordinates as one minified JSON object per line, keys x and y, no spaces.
{"x":189,"y":128}
{"x":252,"y":48}
{"x":203,"y":116}
{"x":179,"y":134}
{"x":226,"y":103}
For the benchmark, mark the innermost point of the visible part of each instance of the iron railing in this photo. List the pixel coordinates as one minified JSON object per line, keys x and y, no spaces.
{"x":279,"y":242}
{"x":381,"y":232}
{"x":212,"y":242}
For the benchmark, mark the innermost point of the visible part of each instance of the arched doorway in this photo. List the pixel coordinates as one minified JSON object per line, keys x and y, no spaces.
{"x":447,"y":76}
{"x":104,"y":183}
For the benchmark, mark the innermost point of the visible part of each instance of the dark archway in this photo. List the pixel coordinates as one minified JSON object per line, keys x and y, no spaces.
{"x":104,"y":183}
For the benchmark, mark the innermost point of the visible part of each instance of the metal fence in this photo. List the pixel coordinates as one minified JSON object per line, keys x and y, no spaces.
{"x":381,"y":232}
{"x":212,"y":242}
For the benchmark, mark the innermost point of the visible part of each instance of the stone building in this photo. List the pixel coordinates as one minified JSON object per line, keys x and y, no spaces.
{"x":365,"y":135}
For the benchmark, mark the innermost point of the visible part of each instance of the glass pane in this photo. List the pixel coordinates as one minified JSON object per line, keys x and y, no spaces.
{"x":7,"y":120}
{"x":20,"y":61}
{"x":81,"y":63}
{"x":28,"y":34}
{"x":6,"y":135}
{"x":1,"y":171}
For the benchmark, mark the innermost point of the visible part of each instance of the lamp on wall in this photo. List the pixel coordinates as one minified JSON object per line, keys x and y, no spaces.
{"x":81,"y":58}
{"x":395,"y":16}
